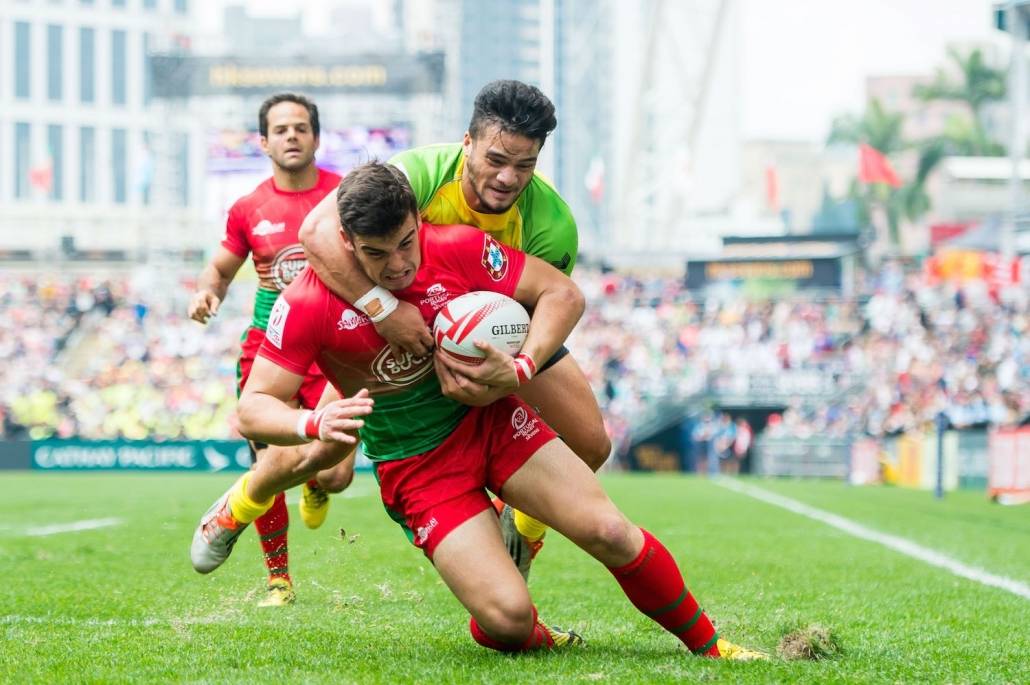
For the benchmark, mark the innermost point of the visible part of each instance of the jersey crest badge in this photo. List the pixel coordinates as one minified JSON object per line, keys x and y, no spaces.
{"x":494,"y":259}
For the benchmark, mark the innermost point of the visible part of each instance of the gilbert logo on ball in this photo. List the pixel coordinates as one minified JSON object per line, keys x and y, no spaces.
{"x":481,"y":315}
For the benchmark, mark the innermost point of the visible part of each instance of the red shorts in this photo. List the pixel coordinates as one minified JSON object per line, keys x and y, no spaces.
{"x":433,"y":493}
{"x":310,"y":390}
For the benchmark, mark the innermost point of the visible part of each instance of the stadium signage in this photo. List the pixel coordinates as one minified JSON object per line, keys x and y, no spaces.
{"x":178,"y":76}
{"x":51,"y":455}
{"x":804,"y":273}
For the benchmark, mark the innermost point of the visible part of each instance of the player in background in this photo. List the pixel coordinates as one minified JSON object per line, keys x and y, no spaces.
{"x":435,"y":457}
{"x":489,"y":181}
{"x":264,"y":224}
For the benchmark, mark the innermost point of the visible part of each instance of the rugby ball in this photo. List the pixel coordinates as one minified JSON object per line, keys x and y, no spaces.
{"x":480,"y":315}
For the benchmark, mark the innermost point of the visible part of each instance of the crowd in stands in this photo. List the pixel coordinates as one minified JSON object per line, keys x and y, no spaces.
{"x":98,"y":358}
{"x":879,"y":364}
{"x":106,"y":358}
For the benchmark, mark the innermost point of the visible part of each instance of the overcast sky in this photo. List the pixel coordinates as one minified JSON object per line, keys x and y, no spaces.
{"x":802,"y":61}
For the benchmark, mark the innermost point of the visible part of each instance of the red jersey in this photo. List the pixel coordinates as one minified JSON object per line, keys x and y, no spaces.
{"x":309,"y":323}
{"x":265,"y":224}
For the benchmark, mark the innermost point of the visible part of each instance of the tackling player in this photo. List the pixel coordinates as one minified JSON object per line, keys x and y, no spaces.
{"x":488,"y":181}
{"x":264,"y":224}
{"x":435,"y":457}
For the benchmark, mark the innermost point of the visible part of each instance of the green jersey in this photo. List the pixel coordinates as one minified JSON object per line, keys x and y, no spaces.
{"x":539,"y":223}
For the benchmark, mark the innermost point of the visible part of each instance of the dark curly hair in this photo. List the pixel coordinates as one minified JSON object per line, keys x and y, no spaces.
{"x":516,"y":107}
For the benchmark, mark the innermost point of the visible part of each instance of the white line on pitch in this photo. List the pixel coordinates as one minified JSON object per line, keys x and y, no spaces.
{"x":73,"y":527}
{"x":898,"y":544}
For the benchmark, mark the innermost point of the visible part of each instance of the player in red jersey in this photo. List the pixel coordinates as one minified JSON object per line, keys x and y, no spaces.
{"x":264,"y":224}
{"x":434,"y":457}
{"x":489,"y":180}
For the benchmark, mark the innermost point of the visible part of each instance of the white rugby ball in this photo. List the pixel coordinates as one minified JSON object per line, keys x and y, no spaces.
{"x":480,"y":315}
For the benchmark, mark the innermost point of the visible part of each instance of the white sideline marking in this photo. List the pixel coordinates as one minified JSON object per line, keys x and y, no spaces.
{"x":898,"y":544}
{"x":73,"y":527}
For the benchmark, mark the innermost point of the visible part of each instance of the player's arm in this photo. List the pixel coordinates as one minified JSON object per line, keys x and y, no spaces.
{"x":400,"y":323}
{"x":557,"y":304}
{"x":266,"y":416}
{"x":213,"y":283}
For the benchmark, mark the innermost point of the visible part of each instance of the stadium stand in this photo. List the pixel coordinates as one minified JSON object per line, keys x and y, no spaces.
{"x":116,"y":358}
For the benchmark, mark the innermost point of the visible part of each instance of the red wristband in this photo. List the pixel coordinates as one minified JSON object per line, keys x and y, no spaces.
{"x":313,"y":424}
{"x":525,"y":368}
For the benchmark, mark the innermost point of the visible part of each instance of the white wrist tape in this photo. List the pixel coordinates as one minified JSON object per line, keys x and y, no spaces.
{"x":378,"y":303}
{"x":302,"y":422}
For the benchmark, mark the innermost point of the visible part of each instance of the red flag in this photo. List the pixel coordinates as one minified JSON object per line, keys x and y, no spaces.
{"x":873,"y":167}
{"x":772,"y":189}
{"x":594,"y":179}
{"x":42,"y":176}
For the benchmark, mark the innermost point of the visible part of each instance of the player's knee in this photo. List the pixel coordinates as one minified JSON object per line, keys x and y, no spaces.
{"x":507,"y":618}
{"x":321,"y":457}
{"x":592,"y":446}
{"x":598,"y":450}
{"x":609,"y":536}
{"x":336,"y":479}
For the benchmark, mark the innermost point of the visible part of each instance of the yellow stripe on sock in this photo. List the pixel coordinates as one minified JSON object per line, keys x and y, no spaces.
{"x":243,"y":508}
{"x":529,"y":527}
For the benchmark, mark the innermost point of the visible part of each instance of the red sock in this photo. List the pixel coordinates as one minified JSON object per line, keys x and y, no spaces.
{"x":654,"y":584}
{"x":313,"y":483}
{"x":271,"y":528}
{"x":538,"y":639}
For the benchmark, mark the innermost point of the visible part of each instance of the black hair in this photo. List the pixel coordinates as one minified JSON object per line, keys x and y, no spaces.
{"x":374,"y":200}
{"x":287,"y":97}
{"x":516,"y":107}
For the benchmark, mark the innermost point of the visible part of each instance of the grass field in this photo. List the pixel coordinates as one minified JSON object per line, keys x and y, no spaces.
{"x":121,"y":602}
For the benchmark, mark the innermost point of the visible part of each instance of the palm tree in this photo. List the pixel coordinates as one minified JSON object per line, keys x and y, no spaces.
{"x":877,"y":127}
{"x":882,"y":130}
{"x":979,"y":84}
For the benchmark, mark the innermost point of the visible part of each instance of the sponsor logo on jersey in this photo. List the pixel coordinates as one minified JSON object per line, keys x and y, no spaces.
{"x":400,"y":372}
{"x":562,"y":263}
{"x":350,"y":320}
{"x":287,"y":265}
{"x":494,"y":259}
{"x":266,"y":227}
{"x":277,"y":322}
{"x":423,"y":532}
{"x":524,"y":426}
{"x":436,"y":296}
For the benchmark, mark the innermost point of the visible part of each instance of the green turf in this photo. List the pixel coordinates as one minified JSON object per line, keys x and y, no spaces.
{"x":123,"y":604}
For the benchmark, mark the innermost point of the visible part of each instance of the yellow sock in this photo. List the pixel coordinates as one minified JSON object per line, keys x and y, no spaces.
{"x":243,"y":508}
{"x":529,"y":527}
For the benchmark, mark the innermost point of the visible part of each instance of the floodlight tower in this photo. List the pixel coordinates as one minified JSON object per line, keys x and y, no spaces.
{"x":1013,"y":16}
{"x":678,"y":153}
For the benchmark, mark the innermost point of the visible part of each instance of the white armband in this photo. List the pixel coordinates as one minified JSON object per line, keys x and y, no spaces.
{"x":378,"y":303}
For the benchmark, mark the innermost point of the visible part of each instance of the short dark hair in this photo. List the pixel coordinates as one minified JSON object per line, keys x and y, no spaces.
{"x":516,"y":107}
{"x":274,"y":100}
{"x":374,"y":200}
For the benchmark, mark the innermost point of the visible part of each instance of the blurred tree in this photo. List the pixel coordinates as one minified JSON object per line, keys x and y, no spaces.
{"x":979,"y":83}
{"x":882,"y":130}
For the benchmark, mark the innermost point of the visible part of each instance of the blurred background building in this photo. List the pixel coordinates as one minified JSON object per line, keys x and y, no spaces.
{"x":119,"y":118}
